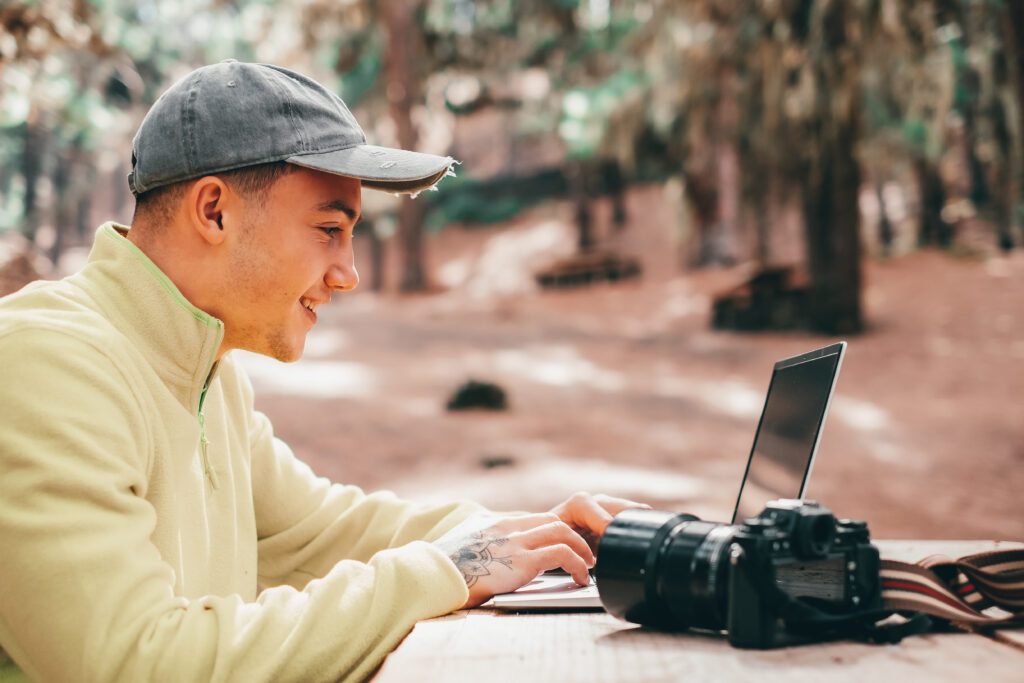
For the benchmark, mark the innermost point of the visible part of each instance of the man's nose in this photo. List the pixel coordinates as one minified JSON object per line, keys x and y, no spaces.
{"x":342,"y":273}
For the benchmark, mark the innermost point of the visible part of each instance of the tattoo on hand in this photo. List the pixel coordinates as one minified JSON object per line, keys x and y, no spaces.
{"x":475,"y":557}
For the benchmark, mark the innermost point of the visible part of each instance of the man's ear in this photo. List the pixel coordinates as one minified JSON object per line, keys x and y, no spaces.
{"x":207,"y":201}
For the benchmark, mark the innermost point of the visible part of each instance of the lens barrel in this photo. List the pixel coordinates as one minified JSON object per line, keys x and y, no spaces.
{"x":664,"y":569}
{"x":626,"y":554}
{"x":693,"y":576}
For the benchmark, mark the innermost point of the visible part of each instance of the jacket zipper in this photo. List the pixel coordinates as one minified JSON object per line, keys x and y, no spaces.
{"x":204,"y":443}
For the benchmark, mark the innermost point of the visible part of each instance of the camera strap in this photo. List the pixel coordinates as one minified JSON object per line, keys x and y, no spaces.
{"x":813,"y":619}
{"x":876,"y":626}
{"x":985,"y":590}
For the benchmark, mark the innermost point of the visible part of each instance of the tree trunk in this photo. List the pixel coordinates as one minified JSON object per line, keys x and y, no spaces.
{"x":402,"y":88}
{"x":615,"y":186}
{"x":1013,"y":40}
{"x":82,"y":216}
{"x":585,"y":240}
{"x":701,"y":193}
{"x":64,"y":200}
{"x":375,"y":241}
{"x":7,"y":173}
{"x":760,"y":187}
{"x":32,"y":156}
{"x":970,"y":81}
{"x":932,"y":230}
{"x":727,"y":167}
{"x":831,"y":211}
{"x":885,"y":231}
{"x":410,"y":236}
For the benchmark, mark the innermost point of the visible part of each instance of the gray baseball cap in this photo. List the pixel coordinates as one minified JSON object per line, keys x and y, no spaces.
{"x":231,"y":115}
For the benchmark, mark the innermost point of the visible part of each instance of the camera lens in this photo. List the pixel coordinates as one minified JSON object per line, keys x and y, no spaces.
{"x":666,"y":570}
{"x":693,"y":579}
{"x":628,"y":550}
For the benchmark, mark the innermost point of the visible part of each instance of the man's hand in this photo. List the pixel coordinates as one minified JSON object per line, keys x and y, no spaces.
{"x":500,"y":554}
{"x":590,"y":515}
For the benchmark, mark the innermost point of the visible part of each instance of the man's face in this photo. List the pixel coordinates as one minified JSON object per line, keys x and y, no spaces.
{"x":285,"y":260}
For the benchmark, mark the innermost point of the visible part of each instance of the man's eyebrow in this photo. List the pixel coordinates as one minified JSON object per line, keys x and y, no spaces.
{"x":335,"y":205}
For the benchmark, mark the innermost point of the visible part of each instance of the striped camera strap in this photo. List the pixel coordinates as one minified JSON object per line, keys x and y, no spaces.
{"x":982,"y":590}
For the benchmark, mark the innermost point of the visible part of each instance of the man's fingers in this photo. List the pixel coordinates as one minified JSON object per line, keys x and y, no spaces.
{"x":583,"y":510}
{"x":526,"y":522}
{"x":562,"y":556}
{"x":614,"y":506}
{"x":593,"y":513}
{"x":558,"y":533}
{"x":594,"y":516}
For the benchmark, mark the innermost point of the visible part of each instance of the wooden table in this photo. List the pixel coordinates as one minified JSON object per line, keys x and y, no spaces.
{"x":491,"y":646}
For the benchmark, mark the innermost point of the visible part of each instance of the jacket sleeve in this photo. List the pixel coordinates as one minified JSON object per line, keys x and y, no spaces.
{"x":306,"y":524}
{"x":86,"y":596}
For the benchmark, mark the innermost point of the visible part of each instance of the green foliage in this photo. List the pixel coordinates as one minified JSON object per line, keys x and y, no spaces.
{"x":13,"y":206}
{"x":467,"y":200}
{"x":586,"y":111}
{"x":876,"y":114}
{"x":964,"y":97}
{"x":644,"y":70}
{"x":469,"y":207}
{"x":73,"y":69}
{"x":915,"y":135}
{"x":15,"y":106}
{"x":355,"y":84}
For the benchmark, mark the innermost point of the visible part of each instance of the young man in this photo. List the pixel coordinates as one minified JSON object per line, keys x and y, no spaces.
{"x":152,"y":527}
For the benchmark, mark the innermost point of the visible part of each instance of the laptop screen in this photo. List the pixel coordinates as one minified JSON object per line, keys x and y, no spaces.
{"x":787,"y":436}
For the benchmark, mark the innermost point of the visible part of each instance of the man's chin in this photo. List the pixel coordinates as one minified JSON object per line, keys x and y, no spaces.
{"x":289,"y":356}
{"x":277,"y":346}
{"x":286,"y":353}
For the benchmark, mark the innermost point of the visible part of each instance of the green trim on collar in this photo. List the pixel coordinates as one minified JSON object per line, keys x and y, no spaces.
{"x":119,"y":232}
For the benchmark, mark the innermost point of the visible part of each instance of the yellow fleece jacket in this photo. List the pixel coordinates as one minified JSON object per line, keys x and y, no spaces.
{"x":154,"y":531}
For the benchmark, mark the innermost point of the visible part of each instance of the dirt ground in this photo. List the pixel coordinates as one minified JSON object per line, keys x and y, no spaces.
{"x":625,"y":389}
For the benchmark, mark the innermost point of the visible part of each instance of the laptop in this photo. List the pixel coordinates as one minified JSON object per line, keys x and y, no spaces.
{"x":779,"y":465}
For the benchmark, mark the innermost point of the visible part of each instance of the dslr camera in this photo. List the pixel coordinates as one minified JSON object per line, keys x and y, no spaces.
{"x":780,"y":578}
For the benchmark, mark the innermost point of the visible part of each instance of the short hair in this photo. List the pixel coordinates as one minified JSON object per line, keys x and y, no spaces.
{"x":157,"y":205}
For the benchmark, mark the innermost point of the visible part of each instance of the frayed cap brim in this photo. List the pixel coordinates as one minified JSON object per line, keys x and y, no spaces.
{"x":381,"y":168}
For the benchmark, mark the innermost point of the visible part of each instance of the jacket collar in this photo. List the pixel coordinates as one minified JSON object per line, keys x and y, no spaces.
{"x":179,"y":340}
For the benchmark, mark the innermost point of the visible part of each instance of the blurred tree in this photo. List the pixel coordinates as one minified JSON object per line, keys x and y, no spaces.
{"x":832,"y":174}
{"x":404,"y":90}
{"x":41,"y":103}
{"x":806,"y":71}
{"x":736,"y":95}
{"x":753,"y":102}
{"x":1013,"y":37}
{"x":767,"y":104}
{"x":76,"y":77}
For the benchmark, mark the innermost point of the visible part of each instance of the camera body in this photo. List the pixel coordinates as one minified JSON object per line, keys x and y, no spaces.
{"x":675,"y":571}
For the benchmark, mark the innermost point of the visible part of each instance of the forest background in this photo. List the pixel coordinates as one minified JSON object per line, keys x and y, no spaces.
{"x":656,"y":201}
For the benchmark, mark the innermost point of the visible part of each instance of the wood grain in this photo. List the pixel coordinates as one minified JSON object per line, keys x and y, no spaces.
{"x":492,"y":646}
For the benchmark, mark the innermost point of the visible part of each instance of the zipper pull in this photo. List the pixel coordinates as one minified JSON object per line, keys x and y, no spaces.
{"x":204,"y":444}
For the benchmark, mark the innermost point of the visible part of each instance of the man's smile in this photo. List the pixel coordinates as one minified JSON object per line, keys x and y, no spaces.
{"x":310,"y":306}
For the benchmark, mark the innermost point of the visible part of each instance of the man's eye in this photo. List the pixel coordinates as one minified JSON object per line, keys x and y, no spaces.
{"x":330,"y":232}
